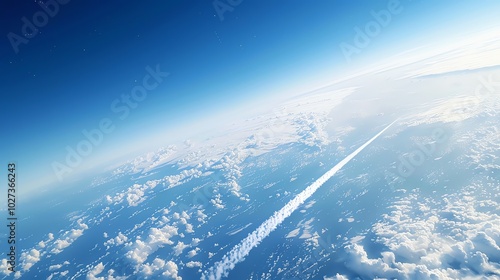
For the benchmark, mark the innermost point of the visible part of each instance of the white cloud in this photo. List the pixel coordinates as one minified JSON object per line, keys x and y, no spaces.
{"x":336,"y":277}
{"x":168,"y":269}
{"x":98,"y":269}
{"x":4,"y":267}
{"x":201,"y":216}
{"x":456,"y":237}
{"x":30,"y":258}
{"x":69,"y":237}
{"x":140,"y":250}
{"x":217,"y":201}
{"x":195,"y":241}
{"x":171,"y":271}
{"x":57,"y":266}
{"x":193,"y":264}
{"x":179,"y":248}
{"x":118,"y":240}
{"x":193,"y":252}
{"x":136,"y":194}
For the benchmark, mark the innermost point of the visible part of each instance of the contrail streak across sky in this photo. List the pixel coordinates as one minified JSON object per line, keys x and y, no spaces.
{"x":240,"y":251}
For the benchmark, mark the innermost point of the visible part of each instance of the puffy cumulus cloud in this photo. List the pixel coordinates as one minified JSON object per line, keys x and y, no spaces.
{"x":111,"y":276}
{"x":98,"y":269}
{"x":136,"y":194}
{"x":230,"y":166}
{"x":60,"y":244}
{"x":42,"y":244}
{"x":140,"y":250}
{"x":57,"y":266}
{"x":201,"y":216}
{"x":135,"y":197}
{"x":118,"y":240}
{"x":183,"y":218}
{"x":217,"y":201}
{"x":69,"y":237}
{"x":30,"y":258}
{"x":160,"y":267}
{"x":195,"y":241}
{"x":311,"y":129}
{"x":179,"y":248}
{"x":97,"y":273}
{"x":171,"y":271}
{"x":454,"y":237}
{"x":181,"y":178}
{"x":189,"y":228}
{"x":193,"y":252}
{"x":193,"y":264}
{"x":4,"y":267}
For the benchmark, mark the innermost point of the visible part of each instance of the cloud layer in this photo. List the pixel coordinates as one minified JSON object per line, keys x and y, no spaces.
{"x":454,"y":237}
{"x":240,"y":251}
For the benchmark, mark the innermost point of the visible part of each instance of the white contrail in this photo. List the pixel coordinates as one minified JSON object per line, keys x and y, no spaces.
{"x":240,"y":251}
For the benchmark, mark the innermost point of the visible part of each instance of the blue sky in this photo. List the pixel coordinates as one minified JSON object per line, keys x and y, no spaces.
{"x":64,"y":79}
